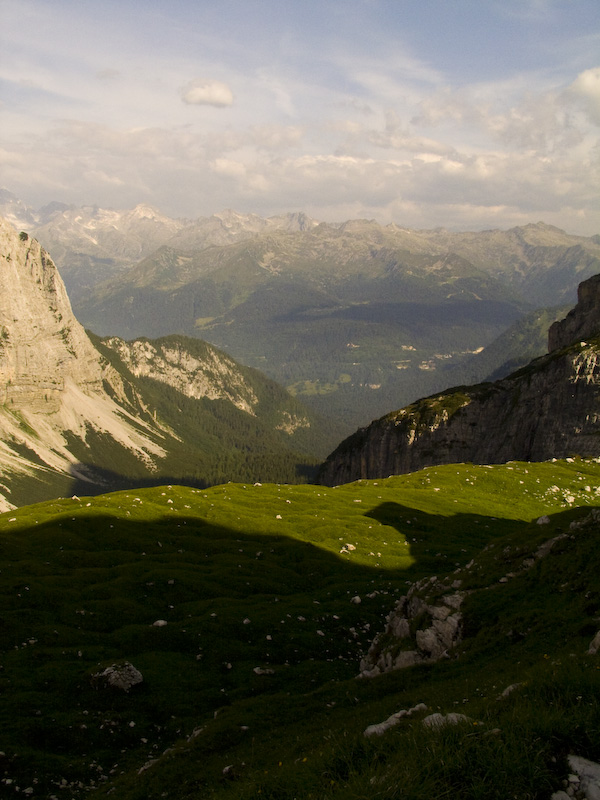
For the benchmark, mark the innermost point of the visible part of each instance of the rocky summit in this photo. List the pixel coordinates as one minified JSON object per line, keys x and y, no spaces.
{"x":549,"y":409}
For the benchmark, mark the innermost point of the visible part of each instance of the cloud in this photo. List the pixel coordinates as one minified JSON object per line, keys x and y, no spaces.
{"x":206,"y":92}
{"x":586,"y":89}
{"x":228,"y":167}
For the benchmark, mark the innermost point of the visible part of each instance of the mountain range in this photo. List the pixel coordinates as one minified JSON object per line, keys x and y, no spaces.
{"x":425,"y":635}
{"x":353,"y":318}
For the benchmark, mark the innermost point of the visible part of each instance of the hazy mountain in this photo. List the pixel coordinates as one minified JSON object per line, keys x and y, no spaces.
{"x":524,"y":340}
{"x":92,"y":244}
{"x":15,"y":211}
{"x":344,"y":316}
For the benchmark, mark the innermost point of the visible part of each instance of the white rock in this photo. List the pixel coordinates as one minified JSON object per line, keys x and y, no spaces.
{"x":381,"y":727}
{"x":589,"y":775}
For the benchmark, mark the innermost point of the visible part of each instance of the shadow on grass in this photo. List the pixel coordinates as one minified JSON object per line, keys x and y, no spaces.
{"x":247,"y":614}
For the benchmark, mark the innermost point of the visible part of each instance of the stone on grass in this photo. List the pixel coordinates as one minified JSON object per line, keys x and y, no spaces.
{"x":118,"y":676}
{"x":594,"y":645}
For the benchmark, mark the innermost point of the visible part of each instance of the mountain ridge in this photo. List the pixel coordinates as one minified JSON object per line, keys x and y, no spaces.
{"x":353,"y":317}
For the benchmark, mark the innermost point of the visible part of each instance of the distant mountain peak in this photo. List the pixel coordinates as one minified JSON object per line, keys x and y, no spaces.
{"x":145,"y":211}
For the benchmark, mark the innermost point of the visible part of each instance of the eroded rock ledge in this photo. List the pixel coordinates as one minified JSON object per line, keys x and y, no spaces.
{"x":416,"y":631}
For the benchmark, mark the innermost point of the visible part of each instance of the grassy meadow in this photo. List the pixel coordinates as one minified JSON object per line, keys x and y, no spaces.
{"x":271,"y":594}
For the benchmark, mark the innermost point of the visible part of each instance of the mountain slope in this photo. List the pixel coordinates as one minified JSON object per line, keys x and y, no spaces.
{"x":74,"y":416}
{"x":52,"y":378}
{"x":550,"y":408}
{"x":178,"y":643}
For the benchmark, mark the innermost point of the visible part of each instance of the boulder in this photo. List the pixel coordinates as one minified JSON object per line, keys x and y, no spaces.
{"x":118,"y":676}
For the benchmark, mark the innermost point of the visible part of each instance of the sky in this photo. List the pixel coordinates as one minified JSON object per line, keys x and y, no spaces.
{"x":464,"y":114}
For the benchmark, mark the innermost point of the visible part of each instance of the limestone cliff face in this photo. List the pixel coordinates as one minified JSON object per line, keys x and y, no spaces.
{"x":213,"y":374}
{"x":549,"y":409}
{"x":52,"y":379}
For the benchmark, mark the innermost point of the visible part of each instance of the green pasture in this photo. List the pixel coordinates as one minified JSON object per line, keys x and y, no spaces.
{"x":271,"y":595}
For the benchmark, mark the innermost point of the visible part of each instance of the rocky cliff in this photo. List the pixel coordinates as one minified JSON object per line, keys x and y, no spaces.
{"x":582,"y":321}
{"x":549,"y":409}
{"x":53,"y":382}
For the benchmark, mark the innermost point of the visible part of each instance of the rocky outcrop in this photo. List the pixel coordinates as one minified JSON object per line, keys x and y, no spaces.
{"x":211,"y":374}
{"x":123,"y":676}
{"x":428,"y":623}
{"x":53,"y":381}
{"x":417,"y":631}
{"x":198,"y":370}
{"x":581,"y":322}
{"x":549,"y":409}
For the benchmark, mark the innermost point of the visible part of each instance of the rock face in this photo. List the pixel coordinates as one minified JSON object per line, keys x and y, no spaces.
{"x":199,"y":370}
{"x":549,"y":409}
{"x":582,"y":321}
{"x":75,"y":409}
{"x":416,"y":631}
{"x":52,"y":379}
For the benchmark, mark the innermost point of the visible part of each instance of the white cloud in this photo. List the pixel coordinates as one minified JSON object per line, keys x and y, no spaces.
{"x":586,"y":89}
{"x":206,"y":92}
{"x":228,"y":167}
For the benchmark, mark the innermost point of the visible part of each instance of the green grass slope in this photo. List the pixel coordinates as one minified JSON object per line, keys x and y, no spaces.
{"x":249,"y":690}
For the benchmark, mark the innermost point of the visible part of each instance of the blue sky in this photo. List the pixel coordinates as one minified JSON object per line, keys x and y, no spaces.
{"x":449,"y":113}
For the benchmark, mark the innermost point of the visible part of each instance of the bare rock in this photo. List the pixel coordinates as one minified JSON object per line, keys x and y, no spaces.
{"x":415,"y":632}
{"x":594,"y":645}
{"x":118,"y":676}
